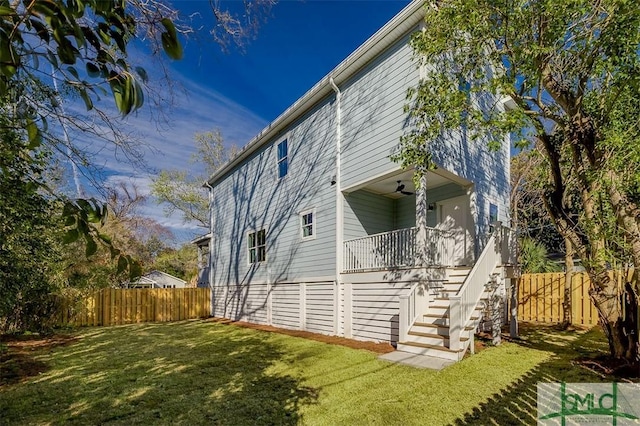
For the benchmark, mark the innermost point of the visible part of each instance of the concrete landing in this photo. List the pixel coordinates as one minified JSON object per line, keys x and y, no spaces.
{"x":416,"y":361}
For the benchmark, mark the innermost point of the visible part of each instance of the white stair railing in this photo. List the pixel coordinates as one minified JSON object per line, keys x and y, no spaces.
{"x":463,"y":304}
{"x":413,"y":304}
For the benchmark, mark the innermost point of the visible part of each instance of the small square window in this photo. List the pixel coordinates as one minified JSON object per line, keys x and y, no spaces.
{"x":283,"y":158}
{"x":307,"y":224}
{"x":257,"y":246}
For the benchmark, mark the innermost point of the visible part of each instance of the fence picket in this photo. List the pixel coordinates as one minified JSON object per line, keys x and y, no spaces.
{"x":126,"y":306}
{"x":540,"y":297}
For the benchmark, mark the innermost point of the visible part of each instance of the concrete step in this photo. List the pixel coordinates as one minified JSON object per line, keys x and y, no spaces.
{"x":430,"y":350}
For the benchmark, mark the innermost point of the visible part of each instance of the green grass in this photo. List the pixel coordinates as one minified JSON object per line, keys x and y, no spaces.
{"x":201,"y":372}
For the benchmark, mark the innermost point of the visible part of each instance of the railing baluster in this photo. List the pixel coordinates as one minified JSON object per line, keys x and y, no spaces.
{"x":396,"y":248}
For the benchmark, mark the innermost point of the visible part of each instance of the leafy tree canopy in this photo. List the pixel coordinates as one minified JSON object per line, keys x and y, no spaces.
{"x":572,"y":71}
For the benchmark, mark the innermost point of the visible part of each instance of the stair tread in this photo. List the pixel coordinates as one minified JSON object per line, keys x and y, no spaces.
{"x":429,"y":324}
{"x":427,"y":346}
{"x":435,"y":336}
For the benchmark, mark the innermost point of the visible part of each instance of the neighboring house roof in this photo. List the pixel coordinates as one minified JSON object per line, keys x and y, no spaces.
{"x":161,"y":279}
{"x":403,"y":22}
{"x":201,"y":239}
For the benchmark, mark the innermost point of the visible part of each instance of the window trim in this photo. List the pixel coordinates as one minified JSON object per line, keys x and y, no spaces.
{"x":285,"y":158}
{"x":489,"y":221}
{"x":314,"y":224}
{"x":257,"y":246}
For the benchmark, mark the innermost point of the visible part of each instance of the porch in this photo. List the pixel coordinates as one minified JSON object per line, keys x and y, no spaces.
{"x":391,"y":224}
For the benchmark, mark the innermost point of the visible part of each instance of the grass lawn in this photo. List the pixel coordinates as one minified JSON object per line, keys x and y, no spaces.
{"x":203,"y":372}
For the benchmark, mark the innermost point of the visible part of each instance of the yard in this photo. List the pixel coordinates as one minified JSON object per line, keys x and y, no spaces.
{"x":204,"y":372}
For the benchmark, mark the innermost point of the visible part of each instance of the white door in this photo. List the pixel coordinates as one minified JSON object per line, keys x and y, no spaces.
{"x":457,"y":226}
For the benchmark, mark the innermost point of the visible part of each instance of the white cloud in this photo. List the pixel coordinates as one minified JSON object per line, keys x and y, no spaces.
{"x":168,"y":144}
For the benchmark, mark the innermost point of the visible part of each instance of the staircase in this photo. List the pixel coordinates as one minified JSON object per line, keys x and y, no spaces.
{"x":429,"y":334}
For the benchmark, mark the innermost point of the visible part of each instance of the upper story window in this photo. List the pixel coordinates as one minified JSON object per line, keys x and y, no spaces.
{"x":257,"y":245}
{"x":307,"y":224}
{"x":493,"y":216}
{"x":283,"y":158}
{"x":493,"y":213}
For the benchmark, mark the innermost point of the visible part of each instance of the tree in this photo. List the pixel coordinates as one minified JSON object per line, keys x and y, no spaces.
{"x":55,"y":50}
{"x":29,"y":238}
{"x":572,"y":69}
{"x":181,"y":191}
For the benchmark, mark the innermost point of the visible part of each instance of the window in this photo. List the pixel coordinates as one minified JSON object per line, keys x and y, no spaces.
{"x":283,"y":158}
{"x":257,"y":246}
{"x":307,"y":224}
{"x":493,"y":215}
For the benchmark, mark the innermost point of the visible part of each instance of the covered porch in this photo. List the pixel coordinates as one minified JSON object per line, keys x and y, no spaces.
{"x":389,"y":224}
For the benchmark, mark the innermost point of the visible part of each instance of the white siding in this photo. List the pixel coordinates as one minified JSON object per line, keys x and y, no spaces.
{"x":374,"y":119}
{"x":252,"y":198}
{"x":286,"y":305}
{"x":320,"y":301}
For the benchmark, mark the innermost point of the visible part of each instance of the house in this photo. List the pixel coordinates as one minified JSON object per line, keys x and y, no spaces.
{"x":157,"y":279}
{"x":313,"y":227}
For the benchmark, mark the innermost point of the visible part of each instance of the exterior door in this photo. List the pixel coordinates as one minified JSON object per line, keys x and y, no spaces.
{"x":455,"y":222}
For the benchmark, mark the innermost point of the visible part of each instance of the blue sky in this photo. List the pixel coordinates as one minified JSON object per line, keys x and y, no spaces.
{"x":240,"y":92}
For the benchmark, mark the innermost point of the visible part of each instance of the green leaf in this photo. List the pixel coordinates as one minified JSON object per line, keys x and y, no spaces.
{"x":122,"y":264}
{"x":142,"y":73}
{"x":70,"y":221}
{"x":93,"y":70}
{"x":73,"y":72}
{"x":35,"y":137}
{"x":8,"y":58}
{"x":71,"y":236}
{"x":6,"y":11}
{"x":87,"y":100}
{"x":66,"y":52}
{"x":171,"y":46}
{"x":91,"y":248}
{"x":135,"y":269}
{"x":171,"y":29}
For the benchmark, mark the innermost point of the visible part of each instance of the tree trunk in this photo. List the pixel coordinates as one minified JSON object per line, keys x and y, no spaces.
{"x":617,"y":309}
{"x":568,"y":278}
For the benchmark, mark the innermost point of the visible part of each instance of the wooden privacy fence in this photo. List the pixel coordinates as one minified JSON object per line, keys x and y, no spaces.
{"x":540,"y":298}
{"x":126,"y":306}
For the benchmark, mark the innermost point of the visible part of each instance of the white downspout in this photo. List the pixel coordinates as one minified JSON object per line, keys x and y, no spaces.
{"x":339,"y":202}
{"x":209,"y":255}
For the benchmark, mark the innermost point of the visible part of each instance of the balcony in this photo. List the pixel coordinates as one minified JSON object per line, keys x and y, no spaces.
{"x":399,"y":249}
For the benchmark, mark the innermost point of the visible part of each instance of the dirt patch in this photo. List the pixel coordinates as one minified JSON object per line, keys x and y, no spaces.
{"x":17,"y":362}
{"x":379,"y":348}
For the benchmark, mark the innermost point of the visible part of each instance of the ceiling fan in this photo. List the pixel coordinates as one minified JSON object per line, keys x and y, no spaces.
{"x":401,"y":190}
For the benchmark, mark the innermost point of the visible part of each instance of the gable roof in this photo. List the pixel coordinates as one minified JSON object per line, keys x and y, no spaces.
{"x":397,"y":27}
{"x":161,"y":278}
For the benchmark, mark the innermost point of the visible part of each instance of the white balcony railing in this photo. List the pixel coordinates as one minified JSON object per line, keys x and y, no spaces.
{"x":398,"y":249}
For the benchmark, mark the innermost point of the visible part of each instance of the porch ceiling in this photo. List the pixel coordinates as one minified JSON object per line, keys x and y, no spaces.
{"x":388,"y":185}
